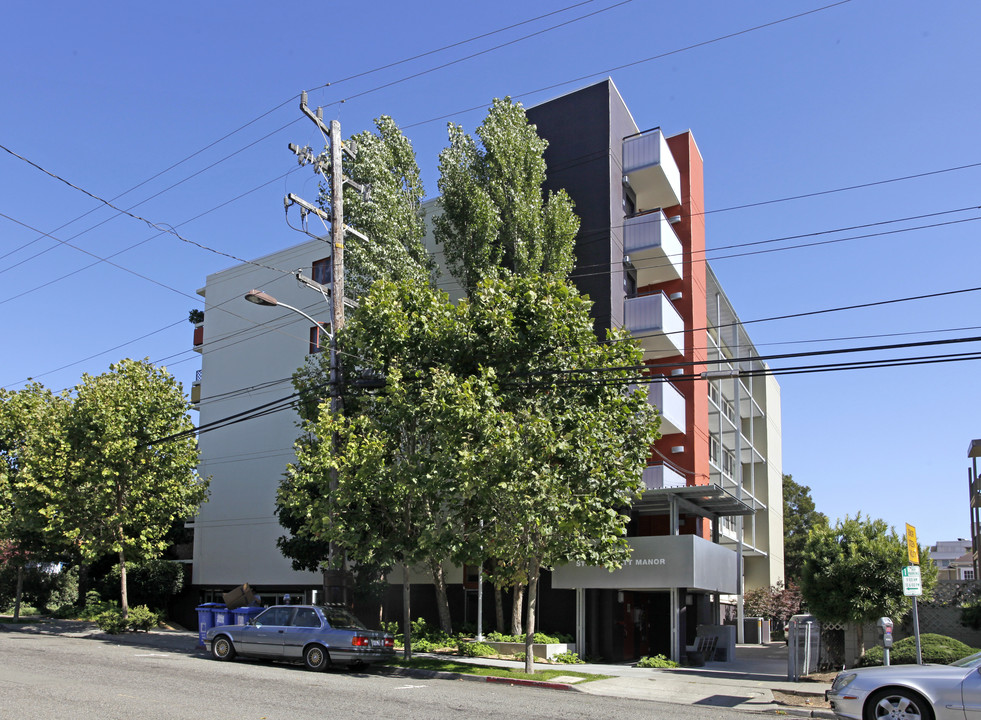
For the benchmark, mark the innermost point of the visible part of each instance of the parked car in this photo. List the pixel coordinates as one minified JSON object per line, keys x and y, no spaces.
{"x":317,"y":635}
{"x":912,"y":692}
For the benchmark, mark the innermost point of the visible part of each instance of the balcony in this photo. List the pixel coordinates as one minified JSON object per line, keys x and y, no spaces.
{"x":662,"y":476}
{"x":199,"y":337}
{"x":670,"y":404}
{"x":653,"y":248}
{"x":650,"y":170}
{"x":196,"y":391}
{"x":655,"y":322}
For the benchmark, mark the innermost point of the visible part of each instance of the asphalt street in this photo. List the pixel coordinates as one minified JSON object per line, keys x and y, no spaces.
{"x":45,"y":676}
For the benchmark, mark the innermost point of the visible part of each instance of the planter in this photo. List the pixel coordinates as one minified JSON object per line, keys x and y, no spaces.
{"x":539,"y":650}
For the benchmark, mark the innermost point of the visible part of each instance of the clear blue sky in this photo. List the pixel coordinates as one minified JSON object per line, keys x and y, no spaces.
{"x":109,"y":95}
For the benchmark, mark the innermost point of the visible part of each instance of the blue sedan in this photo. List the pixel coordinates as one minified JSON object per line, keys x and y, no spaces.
{"x":316,"y":635}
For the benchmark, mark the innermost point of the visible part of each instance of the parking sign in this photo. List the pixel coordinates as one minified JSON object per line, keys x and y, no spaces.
{"x":912,"y":586}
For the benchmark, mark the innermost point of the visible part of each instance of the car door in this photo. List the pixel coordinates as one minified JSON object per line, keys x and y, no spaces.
{"x":304,"y":628}
{"x":267,"y":632}
{"x":971,"y":695}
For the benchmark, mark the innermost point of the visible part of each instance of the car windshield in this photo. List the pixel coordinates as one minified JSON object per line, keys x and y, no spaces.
{"x":341,"y":619}
{"x":971,"y":661}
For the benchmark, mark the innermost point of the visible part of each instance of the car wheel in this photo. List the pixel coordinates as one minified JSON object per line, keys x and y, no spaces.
{"x":315,"y":657}
{"x":898,"y":703}
{"x":222,"y":648}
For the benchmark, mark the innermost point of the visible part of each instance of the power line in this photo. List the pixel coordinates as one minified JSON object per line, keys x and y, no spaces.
{"x":659,"y":56}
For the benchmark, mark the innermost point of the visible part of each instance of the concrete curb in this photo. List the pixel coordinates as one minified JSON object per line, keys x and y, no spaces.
{"x":443,"y":675}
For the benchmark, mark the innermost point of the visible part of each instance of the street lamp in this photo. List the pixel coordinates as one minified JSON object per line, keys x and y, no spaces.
{"x":266,"y":300}
{"x":334,"y":582}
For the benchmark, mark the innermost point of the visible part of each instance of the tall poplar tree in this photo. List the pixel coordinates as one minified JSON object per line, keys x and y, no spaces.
{"x":493,"y":210}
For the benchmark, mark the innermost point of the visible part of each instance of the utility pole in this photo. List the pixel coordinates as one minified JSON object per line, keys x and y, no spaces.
{"x":335,"y":576}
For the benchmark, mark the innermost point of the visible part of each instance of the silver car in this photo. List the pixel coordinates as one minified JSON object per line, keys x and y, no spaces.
{"x":317,"y":635}
{"x":911,"y":692}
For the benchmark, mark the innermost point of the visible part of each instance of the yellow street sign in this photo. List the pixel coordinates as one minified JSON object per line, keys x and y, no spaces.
{"x":911,"y":548}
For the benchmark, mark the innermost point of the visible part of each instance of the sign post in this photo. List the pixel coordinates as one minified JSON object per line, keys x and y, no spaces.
{"x":913,"y":584}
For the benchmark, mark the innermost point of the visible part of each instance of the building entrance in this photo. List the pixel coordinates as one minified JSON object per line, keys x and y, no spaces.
{"x":646,"y":624}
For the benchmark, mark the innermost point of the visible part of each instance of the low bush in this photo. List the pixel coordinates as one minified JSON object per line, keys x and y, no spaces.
{"x":475,"y":649}
{"x":658,"y":661}
{"x":569,"y":658}
{"x":140,"y":618}
{"x":538,"y":638}
{"x":934,"y":648}
{"x":111,"y":621}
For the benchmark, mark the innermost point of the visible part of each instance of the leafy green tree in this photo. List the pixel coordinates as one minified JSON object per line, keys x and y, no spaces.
{"x":800,"y":516}
{"x":388,"y":210}
{"x":89,"y":471}
{"x":494,"y":213}
{"x":479,"y":445}
{"x":127,"y":488}
{"x":32,"y":449}
{"x":853,"y":572}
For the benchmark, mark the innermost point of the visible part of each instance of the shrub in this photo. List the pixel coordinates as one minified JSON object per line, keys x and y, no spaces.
{"x":111,"y":621}
{"x":658,"y":661}
{"x":475,"y":649}
{"x":934,"y":648}
{"x":538,"y":638}
{"x":142,"y":618}
{"x":567,"y":657}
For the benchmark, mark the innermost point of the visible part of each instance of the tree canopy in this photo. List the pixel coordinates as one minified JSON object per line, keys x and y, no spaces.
{"x":800,"y":516}
{"x":494,"y":213}
{"x":389,"y":212}
{"x":483,"y":442}
{"x":853,"y":571}
{"x":93,"y":475}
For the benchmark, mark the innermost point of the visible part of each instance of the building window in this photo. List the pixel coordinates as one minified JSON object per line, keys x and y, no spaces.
{"x":630,"y":282}
{"x":321,"y":271}
{"x":319,"y":338}
{"x":968,"y":574}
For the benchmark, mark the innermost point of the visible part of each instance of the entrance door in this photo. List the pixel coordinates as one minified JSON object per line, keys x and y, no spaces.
{"x":646,"y":623}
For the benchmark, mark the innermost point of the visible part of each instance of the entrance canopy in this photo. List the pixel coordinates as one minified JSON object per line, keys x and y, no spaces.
{"x":659,"y":562}
{"x":709,"y":501}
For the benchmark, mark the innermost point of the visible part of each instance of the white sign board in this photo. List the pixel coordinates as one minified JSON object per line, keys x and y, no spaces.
{"x":911,"y":581}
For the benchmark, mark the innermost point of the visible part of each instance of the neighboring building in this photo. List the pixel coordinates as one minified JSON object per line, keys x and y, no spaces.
{"x":714,"y":480}
{"x":953,"y":559}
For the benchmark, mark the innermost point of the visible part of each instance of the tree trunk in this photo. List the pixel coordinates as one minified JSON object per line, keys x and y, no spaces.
{"x":20,"y":591}
{"x":442,"y":601}
{"x":532,"y":602}
{"x":122,"y":584}
{"x":516,"y":607}
{"x":406,"y":615}
{"x":499,"y":609}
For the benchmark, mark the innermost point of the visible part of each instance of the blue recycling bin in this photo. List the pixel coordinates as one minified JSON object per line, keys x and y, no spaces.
{"x":242,"y":615}
{"x":206,"y":619}
{"x":222,"y":615}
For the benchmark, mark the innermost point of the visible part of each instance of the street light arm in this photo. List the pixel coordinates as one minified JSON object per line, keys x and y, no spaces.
{"x":260,"y":298}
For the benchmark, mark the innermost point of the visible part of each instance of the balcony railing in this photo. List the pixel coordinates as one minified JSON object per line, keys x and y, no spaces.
{"x":653,"y":248}
{"x":650,"y":170}
{"x":662,"y":476}
{"x":655,"y":322}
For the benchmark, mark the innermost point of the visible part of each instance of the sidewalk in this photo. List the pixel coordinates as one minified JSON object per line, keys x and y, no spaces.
{"x":747,"y":683}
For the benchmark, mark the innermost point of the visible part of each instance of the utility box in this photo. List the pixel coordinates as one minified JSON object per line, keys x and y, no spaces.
{"x":756,"y":630}
{"x":804,"y":646}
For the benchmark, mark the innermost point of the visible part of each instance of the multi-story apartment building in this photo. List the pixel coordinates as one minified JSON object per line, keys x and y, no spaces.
{"x":710,"y":520}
